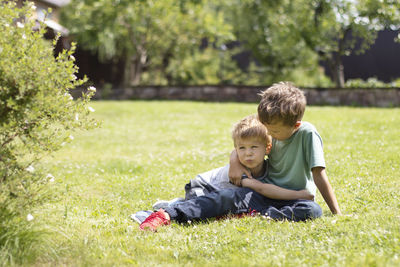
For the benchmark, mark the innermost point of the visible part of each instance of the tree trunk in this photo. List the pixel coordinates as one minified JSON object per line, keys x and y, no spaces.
{"x":134,"y":69}
{"x":337,"y":70}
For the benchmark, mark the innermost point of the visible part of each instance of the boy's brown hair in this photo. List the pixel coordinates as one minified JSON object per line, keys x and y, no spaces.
{"x":250,"y":127}
{"x":283,"y":102}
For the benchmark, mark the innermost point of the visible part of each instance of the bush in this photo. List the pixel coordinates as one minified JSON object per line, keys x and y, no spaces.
{"x":370,"y":83}
{"x":37,"y":115}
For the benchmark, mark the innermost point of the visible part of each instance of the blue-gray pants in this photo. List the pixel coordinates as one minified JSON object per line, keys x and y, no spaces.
{"x":242,"y":200}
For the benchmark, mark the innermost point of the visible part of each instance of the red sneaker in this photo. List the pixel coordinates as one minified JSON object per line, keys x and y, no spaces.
{"x":155,"y":220}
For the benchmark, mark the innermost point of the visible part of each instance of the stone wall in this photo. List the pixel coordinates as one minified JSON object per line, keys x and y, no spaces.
{"x":344,"y":97}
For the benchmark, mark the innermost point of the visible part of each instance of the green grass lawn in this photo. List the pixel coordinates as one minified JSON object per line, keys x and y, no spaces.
{"x":147,"y":151}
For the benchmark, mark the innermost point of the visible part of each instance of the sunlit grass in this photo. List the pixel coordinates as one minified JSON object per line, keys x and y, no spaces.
{"x":146,"y":151}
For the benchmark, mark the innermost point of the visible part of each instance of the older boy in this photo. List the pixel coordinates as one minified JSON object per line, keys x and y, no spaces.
{"x":251,"y":143}
{"x":296,"y":160}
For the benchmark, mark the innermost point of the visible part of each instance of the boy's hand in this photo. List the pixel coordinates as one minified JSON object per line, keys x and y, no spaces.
{"x":236,"y":170}
{"x":304,"y":194}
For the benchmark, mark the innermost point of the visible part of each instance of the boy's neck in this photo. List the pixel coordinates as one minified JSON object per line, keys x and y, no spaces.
{"x":258,"y":171}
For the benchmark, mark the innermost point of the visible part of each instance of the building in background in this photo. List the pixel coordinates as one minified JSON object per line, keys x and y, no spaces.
{"x":51,"y":19}
{"x":381,"y":60}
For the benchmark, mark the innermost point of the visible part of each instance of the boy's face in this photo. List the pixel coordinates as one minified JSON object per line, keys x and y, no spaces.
{"x":251,"y":152}
{"x":281,"y":131}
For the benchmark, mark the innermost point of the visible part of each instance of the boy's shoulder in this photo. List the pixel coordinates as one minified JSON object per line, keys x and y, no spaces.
{"x":306,"y":131}
{"x":307,"y":127}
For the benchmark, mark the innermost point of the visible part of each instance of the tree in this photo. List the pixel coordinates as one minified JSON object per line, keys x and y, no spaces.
{"x":337,"y":28}
{"x":268,"y":29}
{"x":287,"y":34}
{"x":148,"y":35}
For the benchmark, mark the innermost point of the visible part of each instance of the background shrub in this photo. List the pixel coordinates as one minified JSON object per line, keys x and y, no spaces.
{"x":37,"y":115}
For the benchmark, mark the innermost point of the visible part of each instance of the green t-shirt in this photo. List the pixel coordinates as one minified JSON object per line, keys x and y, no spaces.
{"x":291,"y":160}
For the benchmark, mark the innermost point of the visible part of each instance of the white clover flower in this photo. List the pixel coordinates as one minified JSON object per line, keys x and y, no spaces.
{"x":72,"y":57}
{"x":77,"y":117}
{"x":92,"y":89}
{"x":7,"y":25}
{"x":24,"y":36}
{"x":30,"y":169}
{"x":91,"y":109}
{"x":20,"y":25}
{"x":50,"y":177}
{"x":29,"y":217}
{"x":71,"y":137}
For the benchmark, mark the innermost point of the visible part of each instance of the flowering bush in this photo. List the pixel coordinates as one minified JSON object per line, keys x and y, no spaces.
{"x":37,"y":113}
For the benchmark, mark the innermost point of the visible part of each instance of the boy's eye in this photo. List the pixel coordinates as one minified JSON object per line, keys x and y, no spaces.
{"x":254,"y":147}
{"x":241,"y":148}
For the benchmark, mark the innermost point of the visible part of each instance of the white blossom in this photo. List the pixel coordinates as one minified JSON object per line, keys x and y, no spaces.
{"x":71,"y":137}
{"x":68,"y":95}
{"x":72,"y":57}
{"x":91,"y":109}
{"x":92,"y":89}
{"x":29,"y":217}
{"x":50,"y":177}
{"x":24,"y":36}
{"x":77,"y":117}
{"x":30,"y":169}
{"x":20,"y":25}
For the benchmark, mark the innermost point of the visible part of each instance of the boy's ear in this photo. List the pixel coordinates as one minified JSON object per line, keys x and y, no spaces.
{"x":297,"y":124}
{"x":268,"y":149}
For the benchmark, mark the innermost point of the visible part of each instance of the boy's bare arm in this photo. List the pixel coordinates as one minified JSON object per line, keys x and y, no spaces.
{"x":276,"y":192}
{"x":236,"y":169}
{"x":323,"y":185}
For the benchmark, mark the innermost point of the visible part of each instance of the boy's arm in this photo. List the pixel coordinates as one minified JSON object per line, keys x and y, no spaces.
{"x":276,"y":192}
{"x":323,"y":185}
{"x":236,"y":169}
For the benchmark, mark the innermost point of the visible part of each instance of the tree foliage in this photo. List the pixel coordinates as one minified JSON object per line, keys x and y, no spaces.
{"x":268,"y":30}
{"x":337,"y":28}
{"x":167,"y":42}
{"x":148,"y":35}
{"x":283,"y":35}
{"x":37,"y":113}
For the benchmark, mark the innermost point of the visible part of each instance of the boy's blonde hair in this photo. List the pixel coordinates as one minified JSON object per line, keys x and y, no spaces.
{"x":283,"y":102}
{"x":250,"y":127}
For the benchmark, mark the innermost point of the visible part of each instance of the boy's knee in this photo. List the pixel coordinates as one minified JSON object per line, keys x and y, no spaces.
{"x":308,"y":210}
{"x":316,"y":210}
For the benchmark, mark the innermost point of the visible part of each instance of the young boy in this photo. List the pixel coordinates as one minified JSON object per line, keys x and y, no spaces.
{"x":251,"y":143}
{"x":296,"y":160}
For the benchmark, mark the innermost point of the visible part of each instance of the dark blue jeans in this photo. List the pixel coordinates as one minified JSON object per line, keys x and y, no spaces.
{"x":242,"y":200}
